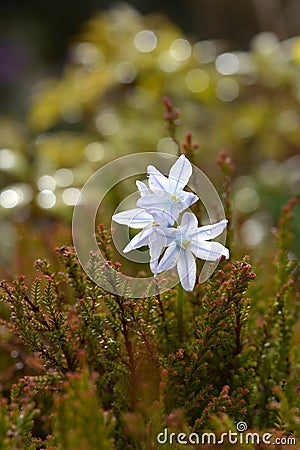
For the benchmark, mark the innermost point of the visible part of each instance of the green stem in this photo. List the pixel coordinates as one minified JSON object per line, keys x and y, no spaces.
{"x":180,"y":312}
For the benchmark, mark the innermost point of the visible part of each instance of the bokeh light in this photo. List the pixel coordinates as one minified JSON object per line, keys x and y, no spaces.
{"x":167,"y":63}
{"x":94,"y":151}
{"x":46,"y":199}
{"x":252,"y":232}
{"x":70,"y":196}
{"x":204,"y":52}
{"x":145,"y":41}
{"x":167,"y":145}
{"x":227,"y":63}
{"x":180,"y":49}
{"x":270,"y":173}
{"x":227,"y":89}
{"x":89,"y":55}
{"x":46,"y":182}
{"x":197,"y":80}
{"x":9,"y":198}
{"x":107,"y":123}
{"x":7,"y":159}
{"x":63,"y":177}
{"x":265,"y":43}
{"x":246,"y":200}
{"x":125,"y":72}
{"x":292,"y":174}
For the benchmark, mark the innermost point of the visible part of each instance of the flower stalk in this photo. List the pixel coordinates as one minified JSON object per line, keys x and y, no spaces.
{"x":180,"y":312}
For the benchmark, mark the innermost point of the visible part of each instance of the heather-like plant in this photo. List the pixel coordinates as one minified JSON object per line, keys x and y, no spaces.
{"x":106,"y":371}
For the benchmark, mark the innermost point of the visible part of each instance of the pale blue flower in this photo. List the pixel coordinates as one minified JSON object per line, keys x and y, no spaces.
{"x":142,"y":188}
{"x":167,"y":198}
{"x":158,"y":207}
{"x":153,"y":232}
{"x":188,"y":242}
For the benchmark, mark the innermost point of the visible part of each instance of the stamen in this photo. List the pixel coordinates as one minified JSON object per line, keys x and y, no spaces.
{"x":185,"y":243}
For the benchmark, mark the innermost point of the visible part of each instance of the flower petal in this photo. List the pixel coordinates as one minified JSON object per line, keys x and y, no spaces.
{"x":174,"y":210}
{"x":169,"y":258}
{"x":139,"y":240}
{"x":210,"y":231}
{"x":180,"y":204}
{"x":164,"y":211}
{"x":189,"y":222}
{"x":154,"y":201}
{"x":159,"y":206}
{"x":157,"y":181}
{"x":162,"y":216}
{"x":180,"y":174}
{"x":186,"y":267}
{"x":134,"y":218}
{"x":208,"y":251}
{"x":170,"y":234}
{"x":142,"y":188}
{"x":157,"y":243}
{"x":188,"y":198}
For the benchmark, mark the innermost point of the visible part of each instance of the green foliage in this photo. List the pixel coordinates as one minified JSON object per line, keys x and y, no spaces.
{"x":111,"y":372}
{"x":219,"y":315}
{"x":99,"y":370}
{"x":275,"y":336}
{"x":79,"y":420}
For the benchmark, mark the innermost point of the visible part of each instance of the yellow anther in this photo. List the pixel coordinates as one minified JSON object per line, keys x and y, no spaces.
{"x":185,"y":243}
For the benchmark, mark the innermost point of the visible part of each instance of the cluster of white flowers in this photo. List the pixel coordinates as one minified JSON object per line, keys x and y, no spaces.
{"x":158,"y":209}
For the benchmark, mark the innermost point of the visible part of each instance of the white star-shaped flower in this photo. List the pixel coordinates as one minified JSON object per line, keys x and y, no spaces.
{"x":158,"y":208}
{"x":153,"y":232}
{"x":167,"y":198}
{"x":191,"y":241}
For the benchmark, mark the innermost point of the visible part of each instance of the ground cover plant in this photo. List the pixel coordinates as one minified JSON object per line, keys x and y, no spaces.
{"x":104,"y":371}
{"x":83,"y":367}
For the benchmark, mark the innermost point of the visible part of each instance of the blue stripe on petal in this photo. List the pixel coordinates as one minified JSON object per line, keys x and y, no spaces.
{"x":186,"y":267}
{"x":134,"y":218}
{"x":208,"y":251}
{"x":142,"y":188}
{"x":154,"y":201}
{"x":188,"y":198}
{"x":169,"y":259}
{"x":210,"y":231}
{"x":180,"y":173}
{"x":157,"y":181}
{"x":139,"y":240}
{"x":188,"y":222}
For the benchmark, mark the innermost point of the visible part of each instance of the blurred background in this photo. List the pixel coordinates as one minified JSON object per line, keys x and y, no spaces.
{"x":35,"y":36}
{"x":79,"y":81}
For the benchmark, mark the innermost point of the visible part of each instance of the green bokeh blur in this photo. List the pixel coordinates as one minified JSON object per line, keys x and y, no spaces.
{"x":237,"y":90}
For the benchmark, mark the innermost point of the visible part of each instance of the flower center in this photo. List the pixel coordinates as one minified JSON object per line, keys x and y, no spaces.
{"x":175,"y":198}
{"x":183,"y":241}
